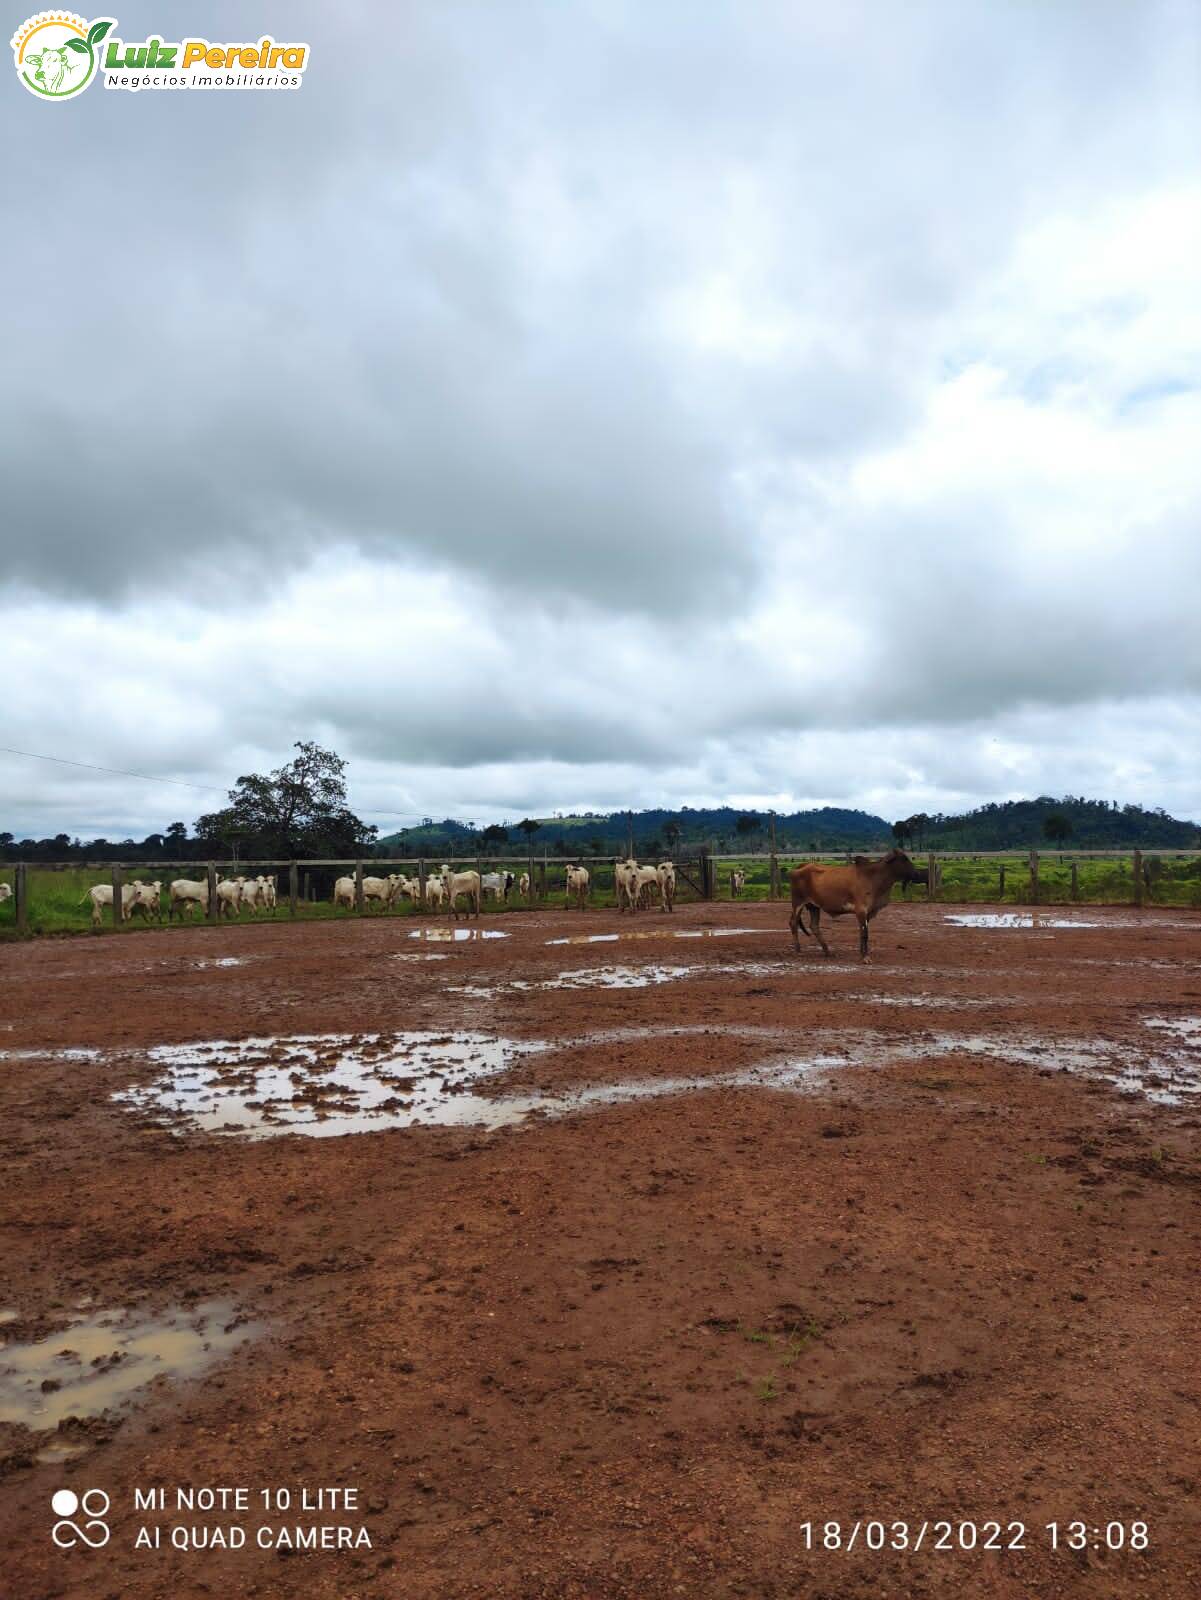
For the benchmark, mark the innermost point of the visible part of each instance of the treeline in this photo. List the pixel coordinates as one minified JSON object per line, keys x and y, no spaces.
{"x":300,"y":812}
{"x":656,"y":831}
{"x":1068,"y":822}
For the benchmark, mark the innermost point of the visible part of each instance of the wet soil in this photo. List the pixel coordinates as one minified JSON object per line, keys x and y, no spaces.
{"x":627,"y":1346}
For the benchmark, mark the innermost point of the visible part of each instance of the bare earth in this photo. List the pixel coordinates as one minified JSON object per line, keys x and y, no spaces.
{"x":632,"y":1348}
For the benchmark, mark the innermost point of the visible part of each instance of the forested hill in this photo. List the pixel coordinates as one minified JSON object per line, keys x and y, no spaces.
{"x":655,"y":831}
{"x":1048,"y":823}
{"x":1070,"y":823}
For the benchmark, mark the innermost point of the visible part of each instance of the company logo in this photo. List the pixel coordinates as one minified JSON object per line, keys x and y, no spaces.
{"x":57,"y":53}
{"x":94,"y":1505}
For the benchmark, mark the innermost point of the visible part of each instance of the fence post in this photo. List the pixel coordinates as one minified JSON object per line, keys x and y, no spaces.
{"x":531,"y":892}
{"x":931,"y":876}
{"x":358,"y":886}
{"x":1034,"y":877}
{"x":774,"y":891}
{"x":118,"y":901}
{"x":214,"y":908}
{"x":1001,"y":885}
{"x":293,"y":886}
{"x":21,"y":896}
{"x":1138,"y":877}
{"x":1075,"y":885}
{"x":421,"y":882}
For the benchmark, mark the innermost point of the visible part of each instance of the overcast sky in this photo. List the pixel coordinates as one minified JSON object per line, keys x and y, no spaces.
{"x":591,"y":405}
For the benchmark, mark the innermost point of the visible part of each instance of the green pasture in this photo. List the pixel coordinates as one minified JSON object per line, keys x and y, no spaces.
{"x":58,"y":901}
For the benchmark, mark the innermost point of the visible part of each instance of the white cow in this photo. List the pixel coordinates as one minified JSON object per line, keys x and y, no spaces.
{"x":523,"y":884}
{"x":376,"y":889}
{"x":344,"y":893}
{"x":268,"y":895}
{"x":435,"y":890}
{"x":6,"y":892}
{"x":399,"y":885}
{"x":101,"y":895}
{"x":497,"y":884}
{"x":229,"y":897}
{"x":457,"y":883}
{"x":147,"y":902}
{"x":667,"y":885}
{"x":186,"y":894}
{"x":646,"y":886}
{"x":252,"y":894}
{"x":625,"y":874}
{"x":737,"y":882}
{"x":577,"y":886}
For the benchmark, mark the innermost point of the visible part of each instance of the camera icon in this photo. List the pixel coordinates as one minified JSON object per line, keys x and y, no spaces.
{"x":93,"y":1504}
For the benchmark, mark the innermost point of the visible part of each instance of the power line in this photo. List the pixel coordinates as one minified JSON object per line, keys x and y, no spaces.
{"x":146,"y":777}
{"x":117,"y":772}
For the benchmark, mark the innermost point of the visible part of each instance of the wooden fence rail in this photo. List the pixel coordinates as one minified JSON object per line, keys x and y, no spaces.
{"x":698,"y":867}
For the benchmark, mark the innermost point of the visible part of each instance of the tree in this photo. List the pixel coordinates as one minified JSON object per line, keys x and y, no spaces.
{"x":747,"y":825}
{"x":1056,"y":828}
{"x":902,"y":832}
{"x":298,"y":810}
{"x":529,"y":827}
{"x":671,"y":832}
{"x":494,"y":834}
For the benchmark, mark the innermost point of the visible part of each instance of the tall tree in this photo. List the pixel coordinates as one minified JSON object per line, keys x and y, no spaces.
{"x":298,"y":810}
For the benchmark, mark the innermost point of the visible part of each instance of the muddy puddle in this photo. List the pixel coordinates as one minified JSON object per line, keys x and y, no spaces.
{"x":332,"y":1085}
{"x":324,"y":1085}
{"x":456,"y":935}
{"x":655,"y":933}
{"x":100,"y":1361}
{"x":1037,"y":919}
{"x":583,"y":978}
{"x":220,"y":961}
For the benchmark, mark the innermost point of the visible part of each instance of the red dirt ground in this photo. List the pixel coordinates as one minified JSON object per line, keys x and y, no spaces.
{"x":631,"y":1352}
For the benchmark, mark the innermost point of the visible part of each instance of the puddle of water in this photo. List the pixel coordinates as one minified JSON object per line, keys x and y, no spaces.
{"x":71,"y":1054}
{"x":456,"y":935}
{"x":1019,"y":919}
{"x":1186,"y":1028}
{"x":100,"y":1361}
{"x":656,"y":933}
{"x":1035,"y":919}
{"x":582,"y":978}
{"x":222,"y":961}
{"x":50,"y":1455}
{"x":324,"y":1085}
{"x":9,"y":1314}
{"x":422,"y":955}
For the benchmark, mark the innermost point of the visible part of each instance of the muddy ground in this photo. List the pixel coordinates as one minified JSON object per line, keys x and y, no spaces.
{"x":631,"y":1348}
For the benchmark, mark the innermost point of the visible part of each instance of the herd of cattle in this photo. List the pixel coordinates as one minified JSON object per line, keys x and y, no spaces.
{"x":862,"y":889}
{"x":637,"y":887}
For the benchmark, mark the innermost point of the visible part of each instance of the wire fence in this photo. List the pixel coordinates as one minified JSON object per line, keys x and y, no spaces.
{"x":49,"y":897}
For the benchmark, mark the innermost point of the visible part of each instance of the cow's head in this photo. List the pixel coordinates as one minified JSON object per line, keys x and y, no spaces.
{"x":49,"y":67}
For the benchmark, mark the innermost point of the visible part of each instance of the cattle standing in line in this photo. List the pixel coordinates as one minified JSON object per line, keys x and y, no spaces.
{"x":577,"y":886}
{"x":862,"y":889}
{"x":737,"y":882}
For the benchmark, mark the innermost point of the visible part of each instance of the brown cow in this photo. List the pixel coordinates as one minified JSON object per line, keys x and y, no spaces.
{"x":863,"y":888}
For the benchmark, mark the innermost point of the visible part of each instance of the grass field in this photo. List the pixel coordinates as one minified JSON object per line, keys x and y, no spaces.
{"x":58,"y":898}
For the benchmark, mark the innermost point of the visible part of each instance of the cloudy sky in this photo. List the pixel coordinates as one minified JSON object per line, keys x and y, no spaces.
{"x":606,"y":404}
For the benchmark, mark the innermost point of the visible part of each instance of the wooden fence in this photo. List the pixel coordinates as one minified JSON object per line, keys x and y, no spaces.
{"x":697,"y":870}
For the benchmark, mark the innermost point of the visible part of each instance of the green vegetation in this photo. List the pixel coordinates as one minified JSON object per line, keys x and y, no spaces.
{"x":55,"y":895}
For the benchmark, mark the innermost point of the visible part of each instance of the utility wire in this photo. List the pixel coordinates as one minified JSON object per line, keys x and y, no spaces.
{"x":118,"y":772}
{"x":146,"y":777}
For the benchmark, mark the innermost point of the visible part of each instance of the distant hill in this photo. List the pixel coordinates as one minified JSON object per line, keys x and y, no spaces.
{"x":1018,"y":824}
{"x":656,"y":831}
{"x":1010,"y":825}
